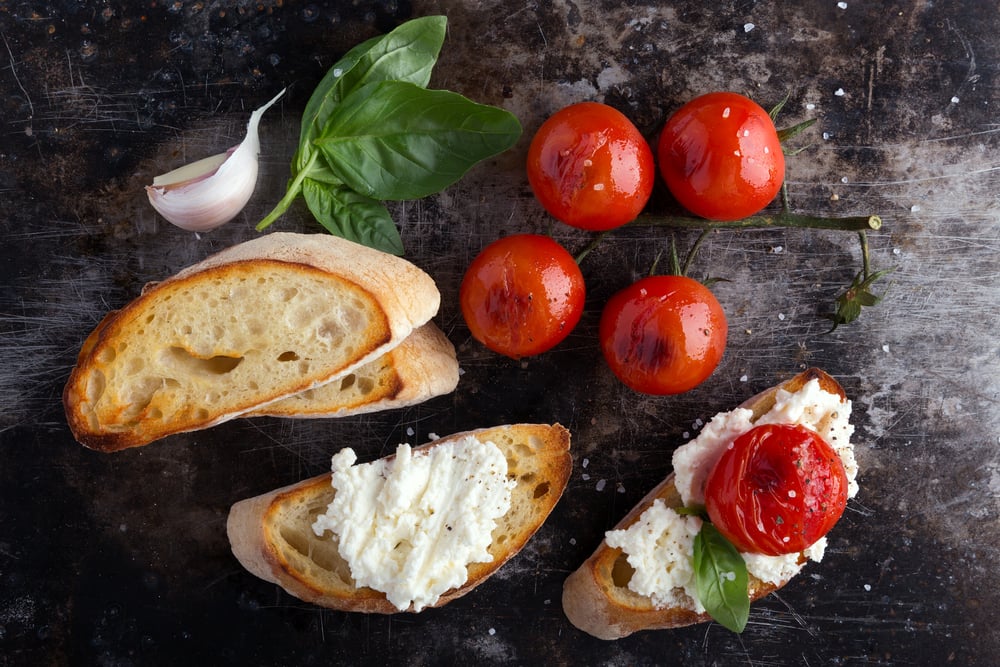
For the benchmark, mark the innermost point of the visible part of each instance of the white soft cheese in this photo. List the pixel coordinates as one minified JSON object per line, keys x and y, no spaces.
{"x":658,"y":546}
{"x":410,"y":526}
{"x":663,"y":573}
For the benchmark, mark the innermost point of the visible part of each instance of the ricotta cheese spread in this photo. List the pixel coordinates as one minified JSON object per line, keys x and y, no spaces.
{"x":410,"y":526}
{"x":660,"y":543}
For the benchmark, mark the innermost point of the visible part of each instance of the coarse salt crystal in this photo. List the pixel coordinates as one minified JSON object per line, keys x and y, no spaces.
{"x":781,"y":316}
{"x":954,"y":100}
{"x":839,"y":92}
{"x":601,"y":483}
{"x":810,"y":106}
{"x":747,"y":27}
{"x":842,"y":5}
{"x":586,"y":462}
{"x":743,"y":378}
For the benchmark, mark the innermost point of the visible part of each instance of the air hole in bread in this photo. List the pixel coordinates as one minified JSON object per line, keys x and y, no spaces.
{"x":96,"y":384}
{"x":134,"y":365}
{"x":139,"y":395}
{"x":201,"y":413}
{"x":366,"y":385}
{"x":621,"y":571}
{"x":347,"y":381}
{"x":541,"y":490}
{"x":106,"y":355}
{"x":527,"y":477}
{"x":187,"y":363}
{"x":288,"y":356}
{"x":523,"y":450}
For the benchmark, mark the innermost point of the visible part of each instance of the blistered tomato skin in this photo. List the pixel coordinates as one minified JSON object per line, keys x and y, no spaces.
{"x":663,"y":334}
{"x":522,"y":295}
{"x":590,"y":167}
{"x":720,"y":157}
{"x":777,"y":490}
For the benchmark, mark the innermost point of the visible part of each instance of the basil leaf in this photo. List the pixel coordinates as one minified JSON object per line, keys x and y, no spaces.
{"x":408,"y":53}
{"x":354,"y":217}
{"x":395,"y":140}
{"x":721,"y":578}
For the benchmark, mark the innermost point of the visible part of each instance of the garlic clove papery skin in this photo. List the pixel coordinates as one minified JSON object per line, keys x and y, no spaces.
{"x":205,"y":194}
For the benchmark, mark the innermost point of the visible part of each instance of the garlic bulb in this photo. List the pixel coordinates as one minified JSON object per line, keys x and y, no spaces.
{"x":210,"y":192}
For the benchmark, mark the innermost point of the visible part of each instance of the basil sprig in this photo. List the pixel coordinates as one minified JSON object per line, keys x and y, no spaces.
{"x":721,"y":578}
{"x":373,"y":132}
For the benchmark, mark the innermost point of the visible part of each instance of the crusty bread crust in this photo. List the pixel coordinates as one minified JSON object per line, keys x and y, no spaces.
{"x":224,"y":336}
{"x":596,"y":597}
{"x":271,"y":534}
{"x":422,"y":367}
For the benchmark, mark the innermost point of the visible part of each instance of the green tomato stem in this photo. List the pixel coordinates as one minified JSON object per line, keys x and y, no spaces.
{"x":783,"y":219}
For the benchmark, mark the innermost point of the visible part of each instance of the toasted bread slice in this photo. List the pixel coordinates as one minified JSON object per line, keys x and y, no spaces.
{"x":265,"y":319}
{"x":423,"y":366}
{"x":596,"y":597}
{"x":272,"y":536}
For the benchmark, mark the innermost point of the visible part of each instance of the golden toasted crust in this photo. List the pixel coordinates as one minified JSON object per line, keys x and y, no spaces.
{"x":266,"y":319}
{"x":271,"y":534}
{"x":596,"y":597}
{"x":423,"y":366}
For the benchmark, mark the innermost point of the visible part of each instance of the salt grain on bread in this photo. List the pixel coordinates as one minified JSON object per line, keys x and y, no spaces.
{"x":272,"y":536}
{"x":266,"y":319}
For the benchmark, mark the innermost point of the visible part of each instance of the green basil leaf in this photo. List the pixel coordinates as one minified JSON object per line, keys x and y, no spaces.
{"x":320,"y":172}
{"x":354,"y":217}
{"x":721,"y":578}
{"x":408,"y":53}
{"x":394,"y":140}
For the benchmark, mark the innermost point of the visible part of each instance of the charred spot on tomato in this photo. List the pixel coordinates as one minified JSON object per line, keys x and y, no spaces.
{"x":522,"y":295}
{"x":776,"y":490}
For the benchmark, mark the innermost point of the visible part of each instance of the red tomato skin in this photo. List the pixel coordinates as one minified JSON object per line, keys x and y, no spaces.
{"x":663,"y":334}
{"x":777,"y":490}
{"x":522,"y":295}
{"x":720,"y":157}
{"x":590,"y":167}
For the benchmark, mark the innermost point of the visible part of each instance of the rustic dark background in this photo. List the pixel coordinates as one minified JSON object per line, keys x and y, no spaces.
{"x":122,"y":559}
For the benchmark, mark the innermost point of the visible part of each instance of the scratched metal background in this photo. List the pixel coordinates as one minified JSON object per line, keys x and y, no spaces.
{"x":122,"y":559}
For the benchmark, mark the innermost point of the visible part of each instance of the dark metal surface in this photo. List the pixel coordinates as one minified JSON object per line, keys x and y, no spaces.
{"x":123,"y":559}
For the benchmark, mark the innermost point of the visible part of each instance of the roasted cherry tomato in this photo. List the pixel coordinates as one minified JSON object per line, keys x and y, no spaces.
{"x":720,"y":157}
{"x":776,"y":490}
{"x":663,"y":334}
{"x":522,"y":295}
{"x":590,"y":167}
